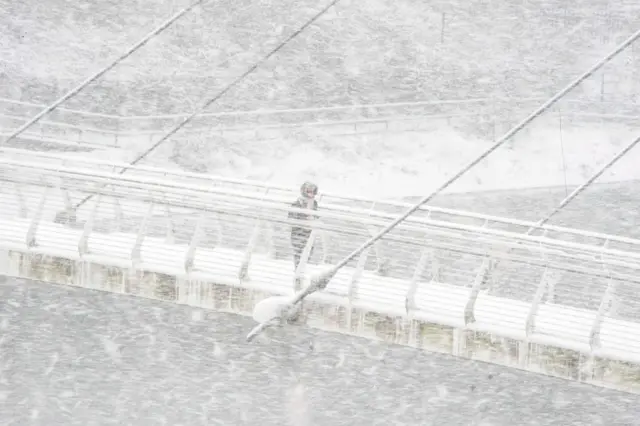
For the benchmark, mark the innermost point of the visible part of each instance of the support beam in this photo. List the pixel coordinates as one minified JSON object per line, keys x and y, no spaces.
{"x":35,"y":221}
{"x":193,"y":244}
{"x":243,"y":272}
{"x":410,"y":302}
{"x":606,"y":303}
{"x":481,"y":278}
{"x":137,"y":246}
{"x":83,"y":243}
{"x":170,"y":231}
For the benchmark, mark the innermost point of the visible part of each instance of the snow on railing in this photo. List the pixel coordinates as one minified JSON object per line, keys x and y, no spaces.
{"x":456,"y":270}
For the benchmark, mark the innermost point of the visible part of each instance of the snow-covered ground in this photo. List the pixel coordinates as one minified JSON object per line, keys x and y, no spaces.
{"x":361,"y":51}
{"x":391,"y":165}
{"x":349,"y":56}
{"x":415,"y":163}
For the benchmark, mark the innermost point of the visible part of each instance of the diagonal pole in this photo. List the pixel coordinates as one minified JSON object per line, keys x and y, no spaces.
{"x":101,"y":72}
{"x":323,"y":279}
{"x":582,"y":187}
{"x":579,"y":189}
{"x":200,"y":110}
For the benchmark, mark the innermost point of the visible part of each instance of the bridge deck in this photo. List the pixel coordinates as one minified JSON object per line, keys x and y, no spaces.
{"x":436,"y":302}
{"x":568,"y":288}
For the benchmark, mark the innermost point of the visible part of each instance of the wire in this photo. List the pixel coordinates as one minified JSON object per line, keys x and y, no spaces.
{"x":542,"y":108}
{"x":584,"y":186}
{"x":223,"y":92}
{"x":101,"y":72}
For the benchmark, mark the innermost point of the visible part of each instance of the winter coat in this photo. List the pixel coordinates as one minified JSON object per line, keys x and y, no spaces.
{"x":300,"y":234}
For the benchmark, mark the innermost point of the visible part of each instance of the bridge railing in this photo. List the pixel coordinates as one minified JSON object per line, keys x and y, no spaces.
{"x":472,"y":244}
{"x":227,"y":246}
{"x":198,"y":183}
{"x":180,"y":195}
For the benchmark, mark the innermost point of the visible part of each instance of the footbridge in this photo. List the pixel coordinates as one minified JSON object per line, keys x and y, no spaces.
{"x":556,"y":300}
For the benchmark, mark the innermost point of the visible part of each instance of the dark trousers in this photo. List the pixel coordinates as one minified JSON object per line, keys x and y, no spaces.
{"x":298,"y":243}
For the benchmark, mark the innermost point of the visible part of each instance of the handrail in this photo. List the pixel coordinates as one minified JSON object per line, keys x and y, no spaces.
{"x":210,"y":180}
{"x":504,"y":239}
{"x":167,"y":188}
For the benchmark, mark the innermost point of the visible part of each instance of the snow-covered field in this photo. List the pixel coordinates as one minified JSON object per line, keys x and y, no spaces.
{"x":401,"y":164}
{"x":414,"y":163}
{"x":364,"y":51}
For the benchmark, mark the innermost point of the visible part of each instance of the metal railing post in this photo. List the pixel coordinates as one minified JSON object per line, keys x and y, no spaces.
{"x":35,"y":221}
{"x":142,"y":230}
{"x":253,"y":240}
{"x":83,"y":244}
{"x":170,"y":231}
{"x":607,"y":303}
{"x":24,"y":211}
{"x":117,"y":214}
{"x":189,"y":258}
{"x":481,"y":277}
{"x":410,"y":303}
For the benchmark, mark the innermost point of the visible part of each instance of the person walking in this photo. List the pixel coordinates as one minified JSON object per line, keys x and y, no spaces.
{"x":299,"y":233}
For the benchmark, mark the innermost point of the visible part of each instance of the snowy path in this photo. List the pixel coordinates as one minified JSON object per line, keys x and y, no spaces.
{"x":76,"y":357}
